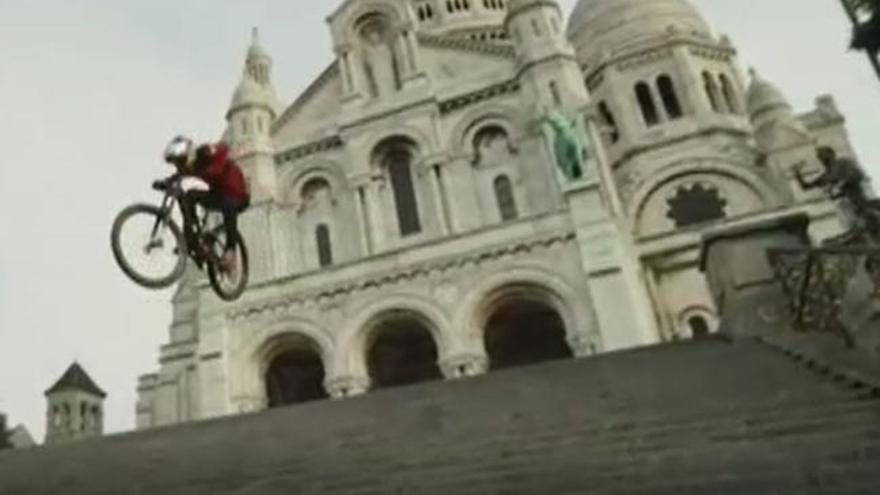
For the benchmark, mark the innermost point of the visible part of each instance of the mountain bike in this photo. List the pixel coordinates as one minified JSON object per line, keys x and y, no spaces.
{"x":152,"y":250}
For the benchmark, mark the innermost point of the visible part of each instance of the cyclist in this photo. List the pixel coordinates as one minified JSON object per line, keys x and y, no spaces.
{"x":227,"y":191}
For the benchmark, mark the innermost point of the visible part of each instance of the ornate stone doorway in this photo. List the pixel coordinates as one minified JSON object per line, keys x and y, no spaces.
{"x":295,"y":376}
{"x":522,"y":331}
{"x":402,"y":352}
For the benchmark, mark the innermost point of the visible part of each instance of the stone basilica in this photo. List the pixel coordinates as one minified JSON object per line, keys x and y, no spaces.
{"x":410,"y":222}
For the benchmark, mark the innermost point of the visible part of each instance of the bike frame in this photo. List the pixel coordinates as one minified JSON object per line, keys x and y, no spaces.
{"x":173,"y":194}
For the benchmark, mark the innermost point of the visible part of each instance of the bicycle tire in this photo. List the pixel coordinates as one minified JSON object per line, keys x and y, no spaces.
{"x":238,"y":290}
{"x":139,"y":278}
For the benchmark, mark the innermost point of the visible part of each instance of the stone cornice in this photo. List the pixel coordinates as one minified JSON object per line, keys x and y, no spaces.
{"x":467,"y":45}
{"x":310,"y":148}
{"x":439,"y":267}
{"x":464,"y":100}
{"x":631,"y":57}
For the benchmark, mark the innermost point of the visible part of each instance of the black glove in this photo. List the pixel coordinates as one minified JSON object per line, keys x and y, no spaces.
{"x":160,"y":185}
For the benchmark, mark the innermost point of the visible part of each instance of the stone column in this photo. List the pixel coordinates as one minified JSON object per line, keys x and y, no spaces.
{"x":749,"y":297}
{"x":693,"y":91}
{"x":363,"y":221}
{"x":351,"y":69}
{"x":374,"y":214}
{"x":440,"y":200}
{"x":343,"y":54}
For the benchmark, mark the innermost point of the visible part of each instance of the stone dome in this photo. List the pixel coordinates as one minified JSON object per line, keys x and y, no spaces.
{"x":766,"y":104}
{"x":763,"y":96}
{"x":249,"y":92}
{"x":601,"y":26}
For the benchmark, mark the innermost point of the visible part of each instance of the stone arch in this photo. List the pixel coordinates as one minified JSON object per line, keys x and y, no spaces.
{"x":419,"y":139}
{"x":364,"y":9}
{"x":292,"y":370}
{"x":723,"y":172}
{"x":685,"y":321}
{"x":278,"y":331}
{"x":576,"y":314}
{"x":263,"y":343}
{"x":296,"y":340}
{"x":521,"y":322}
{"x":355,"y":339}
{"x":465,"y":130}
{"x":396,"y":159}
{"x":294,"y":181}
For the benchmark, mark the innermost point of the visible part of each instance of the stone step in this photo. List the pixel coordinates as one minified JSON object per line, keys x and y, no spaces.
{"x":687,"y":417}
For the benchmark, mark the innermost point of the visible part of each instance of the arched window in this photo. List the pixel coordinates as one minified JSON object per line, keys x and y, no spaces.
{"x":314,"y":189}
{"x":506,"y":200}
{"x":608,"y":119}
{"x":399,"y":164}
{"x":711,"y":91}
{"x":669,"y":97}
{"x":536,"y":27}
{"x":325,"y":248}
{"x":491,"y":146}
{"x":646,"y":103}
{"x":729,"y":94}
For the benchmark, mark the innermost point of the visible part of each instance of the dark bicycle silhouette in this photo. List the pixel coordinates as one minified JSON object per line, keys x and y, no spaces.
{"x":152,"y":249}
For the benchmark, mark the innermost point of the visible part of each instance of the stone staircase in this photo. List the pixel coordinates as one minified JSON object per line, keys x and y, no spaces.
{"x":711,"y":416}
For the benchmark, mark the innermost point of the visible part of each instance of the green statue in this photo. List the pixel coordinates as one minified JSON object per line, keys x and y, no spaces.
{"x":568,"y":147}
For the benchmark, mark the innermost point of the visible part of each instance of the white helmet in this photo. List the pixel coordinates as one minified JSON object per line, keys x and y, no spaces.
{"x":180,"y":151}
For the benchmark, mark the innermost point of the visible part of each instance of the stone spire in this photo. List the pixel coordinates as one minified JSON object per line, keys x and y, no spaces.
{"x":252,"y":113}
{"x":255,"y":87}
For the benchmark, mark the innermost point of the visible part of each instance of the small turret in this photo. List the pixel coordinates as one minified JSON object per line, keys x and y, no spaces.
{"x":545,"y":58}
{"x":775,"y":123}
{"x":75,"y":407}
{"x":766,"y":103}
{"x":251,"y":114}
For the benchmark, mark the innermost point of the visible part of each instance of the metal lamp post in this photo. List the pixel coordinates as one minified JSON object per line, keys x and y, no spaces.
{"x":853,"y":14}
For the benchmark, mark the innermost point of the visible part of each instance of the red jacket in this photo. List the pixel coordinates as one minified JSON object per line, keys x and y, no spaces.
{"x":214,"y":166}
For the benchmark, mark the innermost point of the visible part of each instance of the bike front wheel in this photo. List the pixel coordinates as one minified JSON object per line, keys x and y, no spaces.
{"x":148,"y":246}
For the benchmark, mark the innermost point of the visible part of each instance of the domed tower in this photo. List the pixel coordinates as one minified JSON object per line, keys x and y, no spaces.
{"x":780,"y":135}
{"x":251,"y":114}
{"x":669,"y":94}
{"x":76,"y":407}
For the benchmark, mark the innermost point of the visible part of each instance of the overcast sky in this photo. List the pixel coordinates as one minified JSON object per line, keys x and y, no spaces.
{"x":91,"y":90}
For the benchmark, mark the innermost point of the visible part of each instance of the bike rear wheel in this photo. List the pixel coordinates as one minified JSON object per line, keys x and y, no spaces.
{"x":148,"y":247}
{"x":229,"y":285}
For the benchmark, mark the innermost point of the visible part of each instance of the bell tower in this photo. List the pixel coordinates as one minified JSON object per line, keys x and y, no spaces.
{"x":75,"y":407}
{"x":250,"y":118}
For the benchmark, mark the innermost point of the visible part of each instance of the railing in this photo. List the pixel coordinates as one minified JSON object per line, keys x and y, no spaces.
{"x":816,"y":282}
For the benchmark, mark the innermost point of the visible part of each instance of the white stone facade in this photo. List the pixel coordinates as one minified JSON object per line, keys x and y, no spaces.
{"x":413,"y":178}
